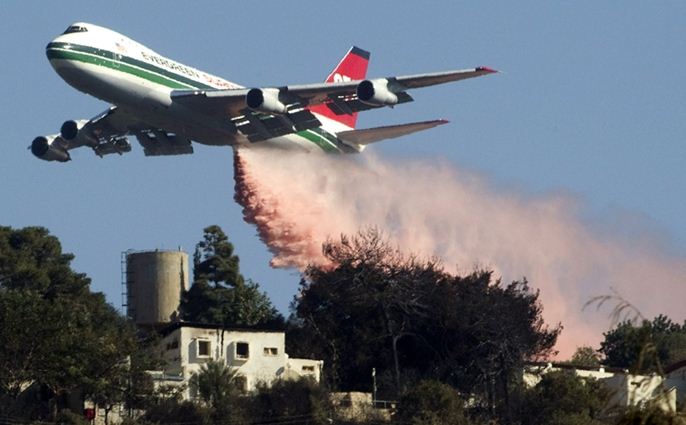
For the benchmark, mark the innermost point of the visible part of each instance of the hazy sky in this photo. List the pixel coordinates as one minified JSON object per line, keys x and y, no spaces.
{"x":590,"y":104}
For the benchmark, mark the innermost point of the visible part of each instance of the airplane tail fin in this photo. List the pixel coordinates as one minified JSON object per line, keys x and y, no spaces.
{"x":359,"y":139}
{"x":353,"y":66}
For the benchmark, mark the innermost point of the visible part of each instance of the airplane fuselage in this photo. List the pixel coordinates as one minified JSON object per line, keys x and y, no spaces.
{"x":123,"y":72}
{"x":167,"y":105}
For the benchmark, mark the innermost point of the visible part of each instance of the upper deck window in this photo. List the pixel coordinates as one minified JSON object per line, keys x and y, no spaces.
{"x":75,"y":28}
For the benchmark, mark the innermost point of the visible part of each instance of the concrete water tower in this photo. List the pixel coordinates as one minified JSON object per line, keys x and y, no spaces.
{"x":155,"y":281}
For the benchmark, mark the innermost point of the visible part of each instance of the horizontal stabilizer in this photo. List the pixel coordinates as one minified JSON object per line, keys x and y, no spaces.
{"x":371,"y":135}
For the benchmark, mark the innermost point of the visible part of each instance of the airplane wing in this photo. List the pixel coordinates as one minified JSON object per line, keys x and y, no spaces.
{"x":106,"y":134}
{"x":367,"y":136}
{"x":344,"y":97}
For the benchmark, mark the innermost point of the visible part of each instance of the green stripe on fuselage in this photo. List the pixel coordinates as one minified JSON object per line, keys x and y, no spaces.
{"x":318,"y":140}
{"x":108,"y":63}
{"x":116,"y":61}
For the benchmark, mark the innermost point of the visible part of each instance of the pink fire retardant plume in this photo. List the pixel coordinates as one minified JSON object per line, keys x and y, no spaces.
{"x":297,"y":201}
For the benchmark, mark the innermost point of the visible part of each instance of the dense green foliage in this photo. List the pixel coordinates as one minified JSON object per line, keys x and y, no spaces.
{"x":220,"y":294}
{"x":562,"y":398}
{"x":214,"y":383}
{"x":214,"y":260}
{"x":293,"y":401}
{"x":649,"y":416}
{"x":649,"y":346}
{"x":431,"y":403}
{"x":300,"y":402}
{"x":586,"y":356}
{"x":408,"y":318}
{"x":56,"y":335}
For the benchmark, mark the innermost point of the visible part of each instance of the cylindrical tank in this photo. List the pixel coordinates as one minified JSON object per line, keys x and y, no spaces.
{"x":155,"y":281}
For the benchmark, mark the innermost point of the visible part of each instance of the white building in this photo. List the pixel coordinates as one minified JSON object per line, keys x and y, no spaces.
{"x":534,"y":371}
{"x":626,"y":389}
{"x":256,"y":356}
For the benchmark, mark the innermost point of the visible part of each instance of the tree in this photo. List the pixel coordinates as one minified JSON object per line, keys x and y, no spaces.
{"x":361,"y":310}
{"x":484,"y":334}
{"x":220,"y":294}
{"x":284,"y":401}
{"x":561,"y":398}
{"x":648,"y":415}
{"x":171,"y":410}
{"x":31,"y":259}
{"x":128,"y":383}
{"x":204,"y":303}
{"x":431,"y":403}
{"x":214,"y":260}
{"x":376,"y":308}
{"x":216,"y":386}
{"x":645,"y":347}
{"x":243,"y":305}
{"x":295,"y":402}
{"x":20,"y":311}
{"x":214,"y":383}
{"x":585,"y":356}
{"x":55,"y":333}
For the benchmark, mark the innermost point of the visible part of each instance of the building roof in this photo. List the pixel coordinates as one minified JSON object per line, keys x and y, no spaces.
{"x":197,"y":325}
{"x":569,"y":366}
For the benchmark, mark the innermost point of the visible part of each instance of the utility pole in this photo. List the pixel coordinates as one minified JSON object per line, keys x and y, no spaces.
{"x":374,"y":386}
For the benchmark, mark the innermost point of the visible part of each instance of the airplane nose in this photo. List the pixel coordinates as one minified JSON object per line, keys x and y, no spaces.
{"x":48,"y":50}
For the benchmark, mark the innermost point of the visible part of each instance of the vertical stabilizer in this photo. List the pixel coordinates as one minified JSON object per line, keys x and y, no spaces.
{"x":353,"y":66}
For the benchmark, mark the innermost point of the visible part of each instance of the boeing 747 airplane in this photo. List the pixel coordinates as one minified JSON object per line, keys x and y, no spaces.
{"x":167,"y":105}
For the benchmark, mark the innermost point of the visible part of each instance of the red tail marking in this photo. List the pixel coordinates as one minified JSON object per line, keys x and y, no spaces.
{"x":353,"y":66}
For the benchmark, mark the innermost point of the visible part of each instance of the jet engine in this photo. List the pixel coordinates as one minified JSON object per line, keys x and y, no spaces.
{"x":376,"y":93}
{"x":44,"y":148}
{"x":265,"y":100}
{"x":70,"y":129}
{"x":76,"y":133}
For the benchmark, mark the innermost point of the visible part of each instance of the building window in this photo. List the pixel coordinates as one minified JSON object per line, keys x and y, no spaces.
{"x":173,"y":345}
{"x":308,"y":369}
{"x":242,"y":350}
{"x":271,"y":351}
{"x":203,"y":348}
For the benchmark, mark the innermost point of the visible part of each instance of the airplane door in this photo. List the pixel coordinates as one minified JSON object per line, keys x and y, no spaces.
{"x":117,"y":54}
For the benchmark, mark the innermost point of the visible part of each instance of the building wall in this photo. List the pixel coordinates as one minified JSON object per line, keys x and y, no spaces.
{"x":637,"y":390}
{"x":306,"y":368}
{"x":255,"y":356}
{"x":625,"y":389}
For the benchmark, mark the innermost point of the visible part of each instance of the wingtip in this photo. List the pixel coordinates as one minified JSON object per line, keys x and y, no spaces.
{"x":487,"y":70}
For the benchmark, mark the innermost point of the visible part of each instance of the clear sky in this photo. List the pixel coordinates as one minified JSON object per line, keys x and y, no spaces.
{"x":590,"y":103}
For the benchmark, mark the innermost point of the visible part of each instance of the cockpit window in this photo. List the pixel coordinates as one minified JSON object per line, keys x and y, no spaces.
{"x":75,"y":28}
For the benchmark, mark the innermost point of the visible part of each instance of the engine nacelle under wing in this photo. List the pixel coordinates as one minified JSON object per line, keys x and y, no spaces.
{"x":70,"y":129}
{"x":266,"y":101}
{"x":376,"y":93}
{"x":78,"y":133}
{"x":46,"y":148}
